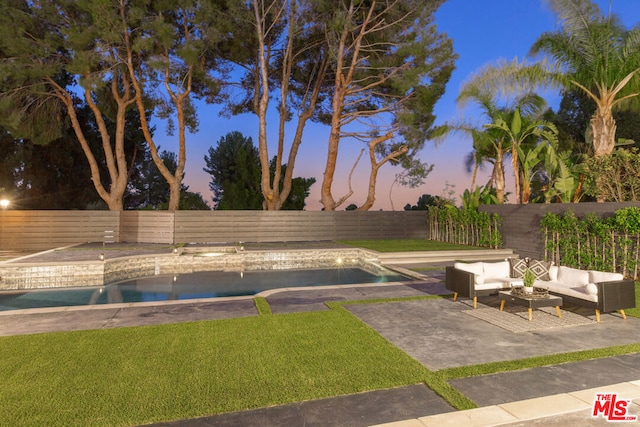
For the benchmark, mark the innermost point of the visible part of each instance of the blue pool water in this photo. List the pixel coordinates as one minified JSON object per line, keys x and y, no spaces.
{"x":208,"y":284}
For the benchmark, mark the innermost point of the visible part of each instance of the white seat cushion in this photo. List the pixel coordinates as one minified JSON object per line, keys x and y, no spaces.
{"x":497,"y":269}
{"x":493,"y":285}
{"x":572,"y":276}
{"x":568,"y":290}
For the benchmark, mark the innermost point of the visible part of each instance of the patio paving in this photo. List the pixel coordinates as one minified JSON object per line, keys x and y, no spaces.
{"x":439,"y":334}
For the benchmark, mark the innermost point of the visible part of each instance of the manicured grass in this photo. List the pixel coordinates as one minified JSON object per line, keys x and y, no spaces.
{"x":406,"y":245}
{"x":138,"y":375}
{"x":635,"y":312}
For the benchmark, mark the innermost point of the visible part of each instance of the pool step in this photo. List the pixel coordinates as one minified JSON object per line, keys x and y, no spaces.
{"x":444,"y":257}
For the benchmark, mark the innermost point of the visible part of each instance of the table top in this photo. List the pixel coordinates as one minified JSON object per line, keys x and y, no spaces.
{"x":531,"y":301}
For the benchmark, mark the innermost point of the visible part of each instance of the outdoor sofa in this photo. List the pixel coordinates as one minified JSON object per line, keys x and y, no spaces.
{"x":605,"y":292}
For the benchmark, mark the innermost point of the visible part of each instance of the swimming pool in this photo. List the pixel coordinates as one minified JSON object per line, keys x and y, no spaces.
{"x":202,"y":284}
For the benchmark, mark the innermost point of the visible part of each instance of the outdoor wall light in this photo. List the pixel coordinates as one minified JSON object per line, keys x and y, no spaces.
{"x":101,"y":257}
{"x":4,"y":203}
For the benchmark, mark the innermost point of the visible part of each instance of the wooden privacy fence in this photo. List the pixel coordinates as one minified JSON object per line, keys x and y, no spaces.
{"x":265,"y":226}
{"x":40,"y":230}
{"x":146,"y":227}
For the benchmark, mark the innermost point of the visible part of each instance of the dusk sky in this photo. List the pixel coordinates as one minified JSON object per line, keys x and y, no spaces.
{"x":483,"y":31}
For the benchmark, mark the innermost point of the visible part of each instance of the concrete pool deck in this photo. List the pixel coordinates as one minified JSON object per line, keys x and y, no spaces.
{"x":437,"y":333}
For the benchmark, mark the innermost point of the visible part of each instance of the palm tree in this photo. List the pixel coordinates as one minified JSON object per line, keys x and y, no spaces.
{"x":509,"y":126}
{"x":521,"y":129}
{"x":475,"y":160}
{"x":593,"y":53}
{"x":597,"y":55}
{"x":489,"y":146}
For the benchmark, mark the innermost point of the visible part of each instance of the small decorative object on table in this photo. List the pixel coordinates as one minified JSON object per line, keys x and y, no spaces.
{"x":535,"y":293}
{"x":528,"y":278}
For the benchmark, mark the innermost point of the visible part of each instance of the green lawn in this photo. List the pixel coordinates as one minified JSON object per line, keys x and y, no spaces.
{"x":635,"y":311}
{"x":129,"y":376}
{"x":406,"y":245}
{"x":138,"y":375}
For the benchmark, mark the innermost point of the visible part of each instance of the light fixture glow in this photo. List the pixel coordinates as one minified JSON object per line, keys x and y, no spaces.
{"x":4,"y":203}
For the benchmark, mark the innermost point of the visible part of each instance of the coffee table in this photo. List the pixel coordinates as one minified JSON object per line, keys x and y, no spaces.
{"x":531,"y":301}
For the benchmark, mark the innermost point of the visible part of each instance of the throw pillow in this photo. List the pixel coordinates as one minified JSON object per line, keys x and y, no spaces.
{"x":540,"y":269}
{"x":517,"y":267}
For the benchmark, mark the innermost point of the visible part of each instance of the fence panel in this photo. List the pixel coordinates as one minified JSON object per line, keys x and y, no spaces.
{"x":41,"y":230}
{"x":264,"y":226}
{"x":146,"y":226}
{"x":521,"y":223}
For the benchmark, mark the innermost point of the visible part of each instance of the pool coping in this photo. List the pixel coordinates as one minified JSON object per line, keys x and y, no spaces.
{"x":262,"y":294}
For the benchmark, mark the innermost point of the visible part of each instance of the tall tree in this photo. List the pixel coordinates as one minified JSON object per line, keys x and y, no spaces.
{"x":592,"y":53}
{"x":503,"y":130}
{"x":389,"y":67}
{"x":426,"y":201}
{"x":234,"y":166}
{"x":148,"y":189}
{"x":476,"y":159}
{"x":49,"y":52}
{"x":235,"y":169}
{"x":168,"y":54}
{"x":118,"y":56}
{"x":519,"y":131}
{"x":54,"y":175}
{"x":285,"y":63}
{"x":300,"y":188}
{"x":47,"y":176}
{"x":597,"y":55}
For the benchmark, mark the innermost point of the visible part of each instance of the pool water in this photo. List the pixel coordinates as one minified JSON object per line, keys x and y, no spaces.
{"x":207,"y":284}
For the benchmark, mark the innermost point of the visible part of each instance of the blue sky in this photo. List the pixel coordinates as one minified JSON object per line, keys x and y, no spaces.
{"x":482,"y":31}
